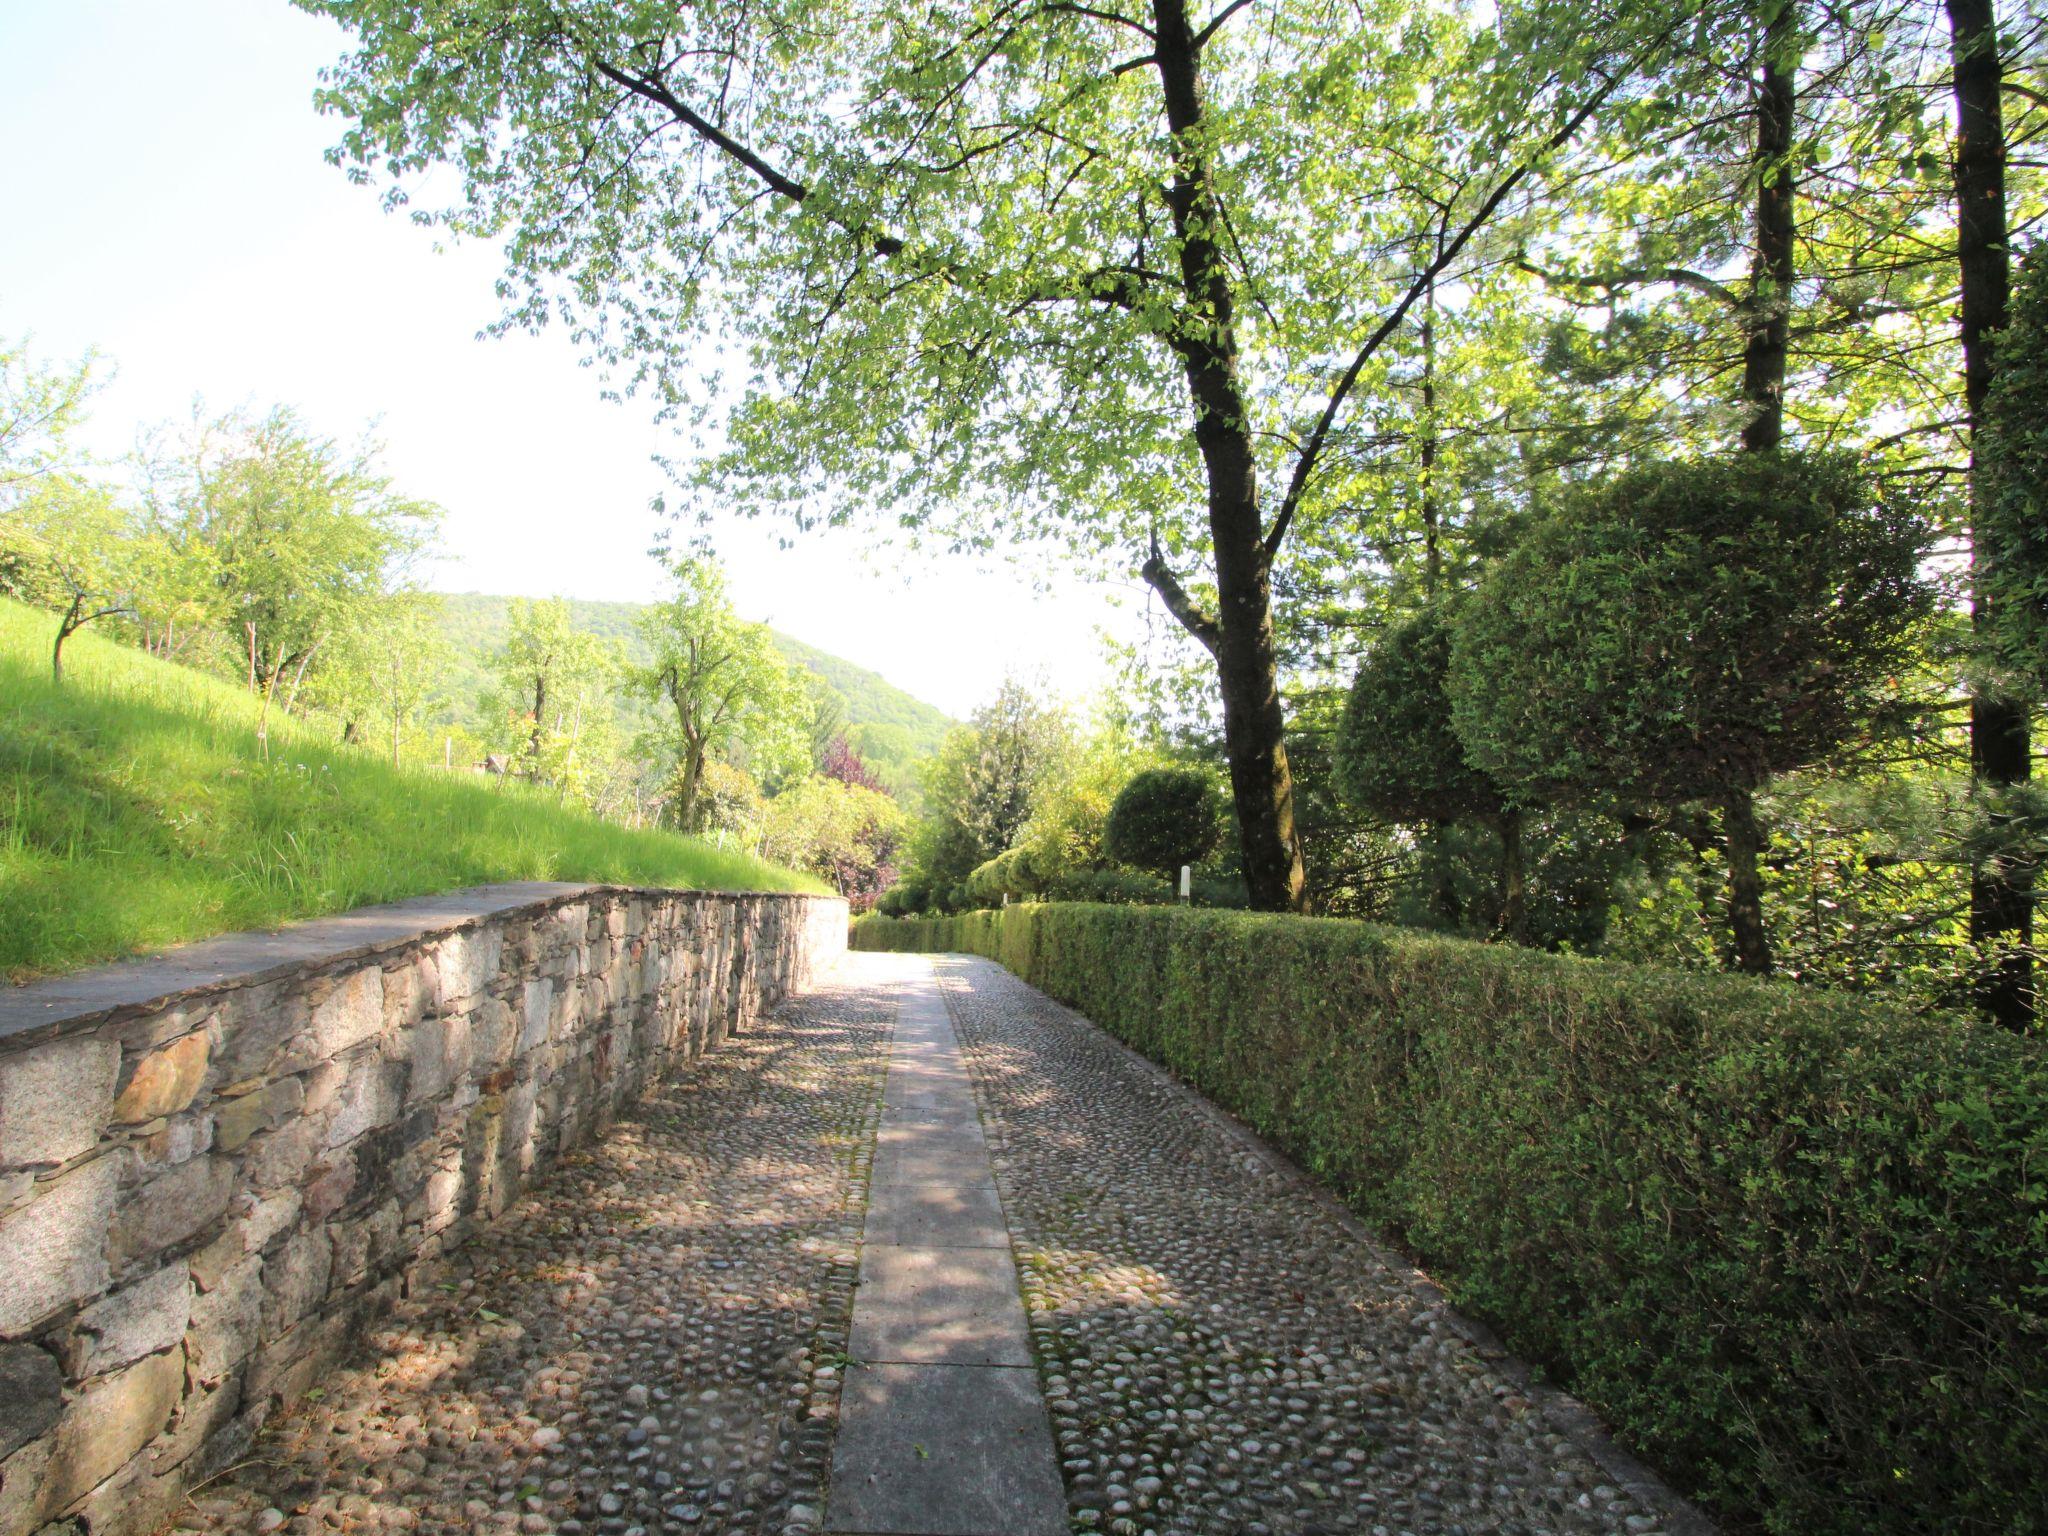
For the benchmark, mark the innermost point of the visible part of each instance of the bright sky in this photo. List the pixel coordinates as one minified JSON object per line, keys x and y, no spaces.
{"x":163,"y":201}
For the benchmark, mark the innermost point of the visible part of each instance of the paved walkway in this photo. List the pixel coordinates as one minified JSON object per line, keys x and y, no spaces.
{"x":928,"y":1256}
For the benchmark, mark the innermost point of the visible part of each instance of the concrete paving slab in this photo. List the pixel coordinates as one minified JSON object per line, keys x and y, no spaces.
{"x":938,"y":1306}
{"x":908,"y":1152}
{"x":945,"y":1450}
{"x":938,"y":1215}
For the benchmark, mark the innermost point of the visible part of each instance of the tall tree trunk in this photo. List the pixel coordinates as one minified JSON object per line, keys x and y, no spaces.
{"x":1240,"y":635}
{"x":1772,"y":273}
{"x":66,"y":626}
{"x":693,"y":780}
{"x":1771,"y":269}
{"x":1432,"y":537}
{"x":1514,"y":883}
{"x":540,"y":705}
{"x":1445,"y":896}
{"x":2001,"y":903}
{"x":1745,"y":882}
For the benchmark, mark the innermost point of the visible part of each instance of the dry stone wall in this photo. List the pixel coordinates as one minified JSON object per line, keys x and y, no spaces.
{"x":215,"y":1165}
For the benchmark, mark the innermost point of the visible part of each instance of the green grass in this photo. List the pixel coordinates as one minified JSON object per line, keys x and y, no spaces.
{"x":135,"y":813}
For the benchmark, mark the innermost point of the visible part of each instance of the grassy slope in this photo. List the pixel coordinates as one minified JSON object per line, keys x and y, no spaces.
{"x":134,"y":814}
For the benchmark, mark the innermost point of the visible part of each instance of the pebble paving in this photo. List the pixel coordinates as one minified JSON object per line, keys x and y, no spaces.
{"x":652,"y":1343}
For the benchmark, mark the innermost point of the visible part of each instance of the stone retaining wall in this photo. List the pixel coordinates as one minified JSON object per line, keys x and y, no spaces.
{"x":215,"y":1165}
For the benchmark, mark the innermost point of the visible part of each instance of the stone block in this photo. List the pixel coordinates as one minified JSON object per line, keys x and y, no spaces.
{"x":494,"y":1034}
{"x":54,"y":1100}
{"x":22,"y":1476}
{"x":370,"y":1096}
{"x":466,"y":963}
{"x":165,"y":1080}
{"x":201,"y":1417}
{"x":331,"y":1184}
{"x":269,"y":1216}
{"x":236,"y":1120}
{"x":31,"y":1395}
{"x":439,"y":1055}
{"x":538,"y":1009}
{"x":107,"y":1423}
{"x":226,"y":1321}
{"x":56,"y":1244}
{"x":295,"y":1281}
{"x":177,"y":1204}
{"x":178,"y":1140}
{"x":282,"y":1156}
{"x":408,"y":995}
{"x":350,"y":1013}
{"x":136,"y":1320}
{"x":255,"y":1024}
{"x":362,"y":1246}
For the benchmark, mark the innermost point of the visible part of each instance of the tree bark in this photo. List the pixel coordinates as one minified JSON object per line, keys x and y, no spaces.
{"x":2001,"y":902}
{"x":1514,"y":884}
{"x":1745,"y":883}
{"x":1448,"y":907}
{"x":693,"y":780}
{"x":540,"y":704}
{"x":1771,"y":271}
{"x":1240,"y":636}
{"x":1432,"y":542}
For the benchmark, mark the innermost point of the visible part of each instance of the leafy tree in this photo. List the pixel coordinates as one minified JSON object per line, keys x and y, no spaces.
{"x":1687,"y":630}
{"x":39,"y":409}
{"x":557,"y":677}
{"x":1399,"y":756}
{"x":305,"y":540}
{"x":840,"y":761}
{"x":981,"y":789}
{"x":846,"y":833}
{"x":1063,"y":838}
{"x":727,"y":691}
{"x":1163,"y":818}
{"x":2001,"y":755}
{"x":1121,"y":268}
{"x":65,"y":546}
{"x":382,"y":670}
{"x":728,"y":803}
{"x":2014,"y":530}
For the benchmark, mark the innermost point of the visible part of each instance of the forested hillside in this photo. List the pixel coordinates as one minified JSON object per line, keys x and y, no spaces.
{"x":890,"y":728}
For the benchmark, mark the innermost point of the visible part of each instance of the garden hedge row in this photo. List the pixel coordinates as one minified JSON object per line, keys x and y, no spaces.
{"x":1793,"y":1245}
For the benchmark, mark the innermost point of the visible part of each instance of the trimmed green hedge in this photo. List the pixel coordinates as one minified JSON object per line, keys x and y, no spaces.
{"x":1794,"y":1246}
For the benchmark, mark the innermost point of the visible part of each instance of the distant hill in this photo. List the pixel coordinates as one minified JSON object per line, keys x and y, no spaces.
{"x":893,"y":730}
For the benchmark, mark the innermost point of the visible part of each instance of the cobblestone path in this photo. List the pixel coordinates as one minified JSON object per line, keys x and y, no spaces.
{"x":653,"y":1342}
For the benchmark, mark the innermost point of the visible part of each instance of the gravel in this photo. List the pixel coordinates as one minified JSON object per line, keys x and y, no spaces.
{"x":644,"y":1344}
{"x":1219,"y":1353}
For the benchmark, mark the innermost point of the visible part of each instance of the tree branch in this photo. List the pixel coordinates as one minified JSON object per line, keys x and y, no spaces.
{"x":1447,"y":252}
{"x":1202,"y":37}
{"x":1192,"y":619}
{"x":1630,"y":277}
{"x":656,"y":90}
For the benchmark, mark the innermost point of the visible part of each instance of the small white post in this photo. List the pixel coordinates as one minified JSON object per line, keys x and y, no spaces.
{"x":1187,"y":884}
{"x":448,"y":752}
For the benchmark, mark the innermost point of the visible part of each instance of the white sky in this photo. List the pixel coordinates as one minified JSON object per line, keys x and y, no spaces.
{"x":163,"y":201}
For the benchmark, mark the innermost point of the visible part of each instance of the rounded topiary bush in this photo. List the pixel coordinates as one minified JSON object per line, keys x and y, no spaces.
{"x":1163,"y":818}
